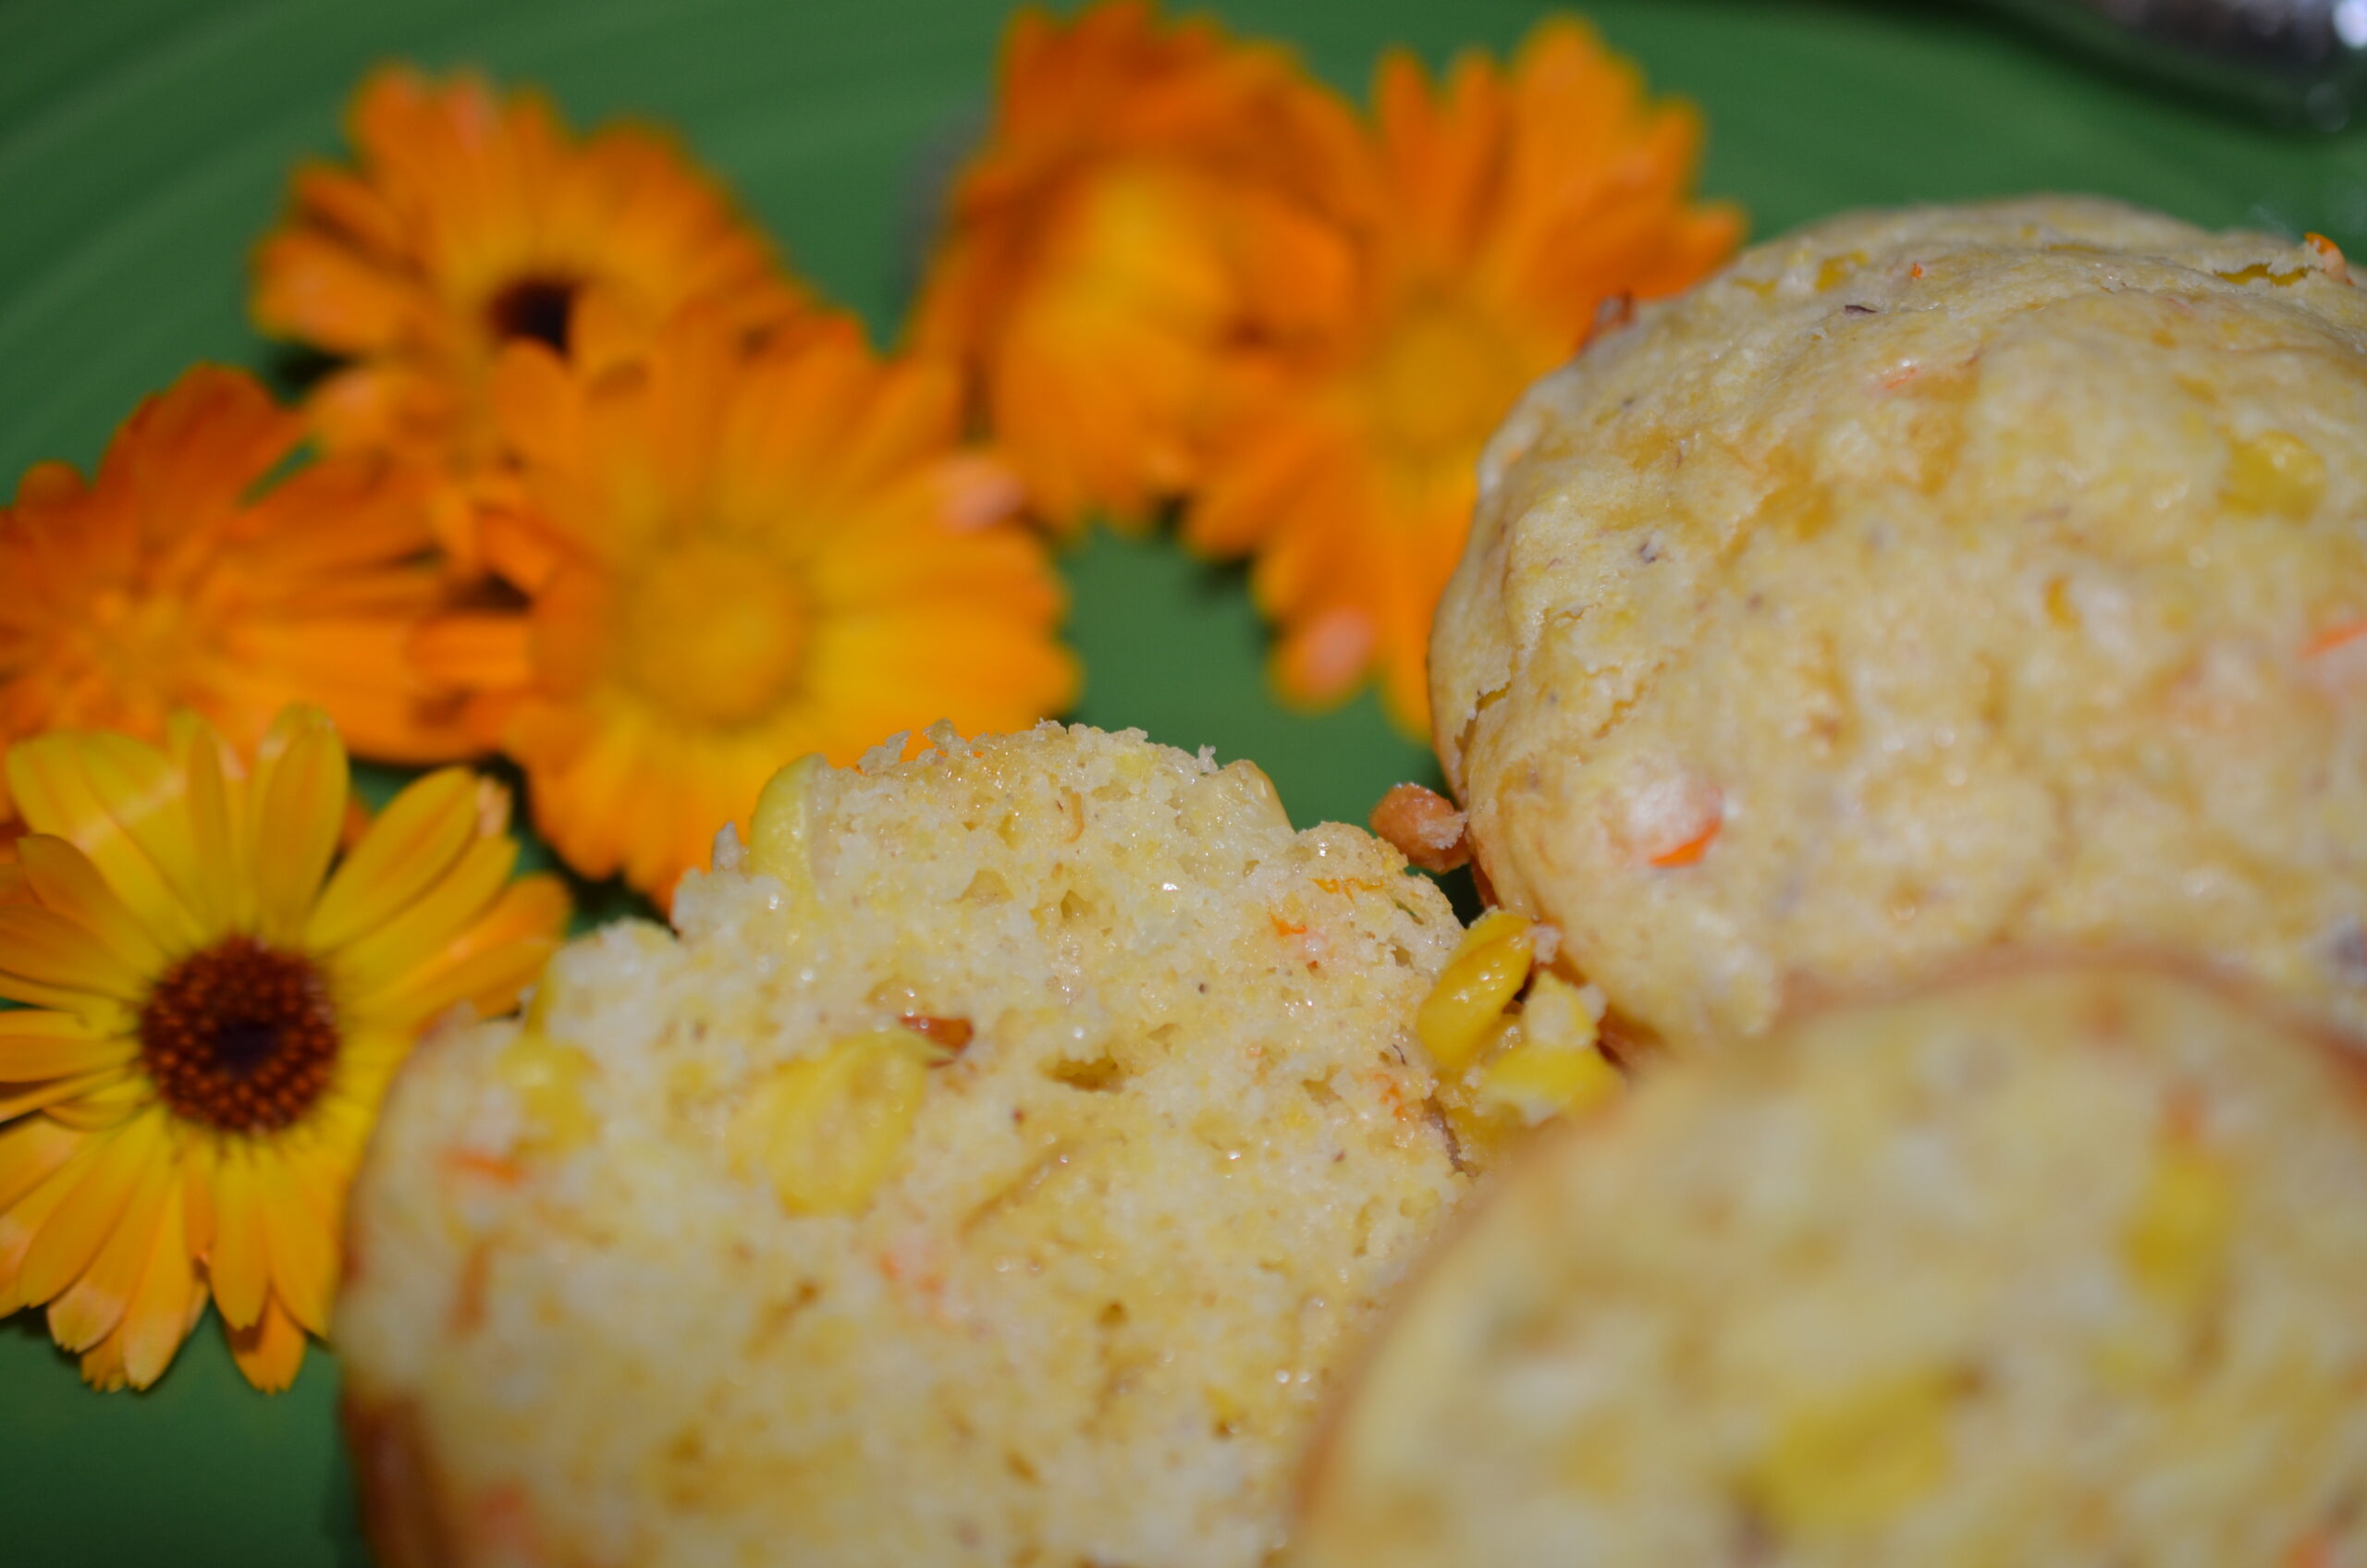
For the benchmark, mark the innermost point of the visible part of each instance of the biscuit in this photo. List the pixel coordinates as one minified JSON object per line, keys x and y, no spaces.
{"x":993,"y":1169}
{"x":1929,"y":582}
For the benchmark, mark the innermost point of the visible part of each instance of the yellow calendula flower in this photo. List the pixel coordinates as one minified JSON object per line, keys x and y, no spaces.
{"x":730,"y":557}
{"x":469,"y":218}
{"x":1509,"y":207}
{"x":213,"y":1004}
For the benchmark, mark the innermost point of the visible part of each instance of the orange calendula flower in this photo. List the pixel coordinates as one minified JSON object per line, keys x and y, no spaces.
{"x":182,"y":575}
{"x":1513,"y":205}
{"x":1150,"y":196}
{"x":734,"y":557}
{"x":470,"y":219}
{"x":213,"y":1007}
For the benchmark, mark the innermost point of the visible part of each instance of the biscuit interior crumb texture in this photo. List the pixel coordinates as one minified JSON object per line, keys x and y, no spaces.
{"x":740,"y":1251}
{"x":2063,"y":1266}
{"x":1925,"y":582}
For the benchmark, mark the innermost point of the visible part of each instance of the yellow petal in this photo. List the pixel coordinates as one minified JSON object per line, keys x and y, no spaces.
{"x":159,"y":1317}
{"x":53,"y":1094}
{"x":271,"y":1351}
{"x":102,"y":1099}
{"x":102,"y":1365}
{"x":90,"y":1308}
{"x":44,"y":955}
{"x":81,"y":1225}
{"x":54,"y":794}
{"x":35,"y":1045}
{"x":67,"y":882}
{"x":488,"y":965}
{"x":296,"y":811}
{"x":144,"y":791}
{"x":413,"y":842}
{"x":389,"y":958}
{"x":303,"y":1252}
{"x":29,"y":1151}
{"x":197,"y":1163}
{"x":25,"y":1219}
{"x":216,"y":806}
{"x":237,"y":1263}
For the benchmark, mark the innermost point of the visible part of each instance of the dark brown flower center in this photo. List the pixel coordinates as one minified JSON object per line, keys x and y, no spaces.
{"x":239,"y":1036}
{"x":536,"y":308}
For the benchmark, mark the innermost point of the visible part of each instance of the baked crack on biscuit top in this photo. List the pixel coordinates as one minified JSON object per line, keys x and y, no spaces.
{"x":994,"y":1168}
{"x":1930,"y":581}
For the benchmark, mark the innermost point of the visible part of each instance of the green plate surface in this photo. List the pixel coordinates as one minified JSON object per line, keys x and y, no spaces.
{"x":143,"y":146}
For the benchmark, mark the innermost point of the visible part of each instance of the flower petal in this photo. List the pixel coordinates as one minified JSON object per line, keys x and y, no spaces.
{"x":66,"y":880}
{"x":412,"y":843}
{"x":53,"y":1094}
{"x":72,"y":1239}
{"x":24,"y":1219}
{"x":29,"y":1151}
{"x":144,"y":788}
{"x":388,"y":956}
{"x":101,"y":1099}
{"x":88,"y":1310}
{"x":270,"y":1352}
{"x":36,"y":1045}
{"x":488,"y":965}
{"x":47,"y":960}
{"x":303,"y":1250}
{"x":298,"y":808}
{"x":238,"y":1261}
{"x":216,"y":818}
{"x":160,"y":1318}
{"x":54,"y":794}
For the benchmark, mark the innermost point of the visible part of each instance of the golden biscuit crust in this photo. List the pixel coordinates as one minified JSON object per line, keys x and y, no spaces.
{"x":1927,"y":581}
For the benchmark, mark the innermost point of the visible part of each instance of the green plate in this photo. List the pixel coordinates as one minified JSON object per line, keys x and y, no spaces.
{"x":143,"y":146}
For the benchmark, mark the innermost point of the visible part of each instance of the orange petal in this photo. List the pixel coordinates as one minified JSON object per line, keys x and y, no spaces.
{"x":1320,"y":660}
{"x":475,"y":651}
{"x":311,"y":287}
{"x":271,"y":1351}
{"x":534,"y":403}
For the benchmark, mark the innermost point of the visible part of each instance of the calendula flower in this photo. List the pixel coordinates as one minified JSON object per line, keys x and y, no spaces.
{"x":212,"y":1010}
{"x":468,"y":219}
{"x":1150,"y":196}
{"x":732,"y":559}
{"x":182,"y":574}
{"x":1512,"y":206}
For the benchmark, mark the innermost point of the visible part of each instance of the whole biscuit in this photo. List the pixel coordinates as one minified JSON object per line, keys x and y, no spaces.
{"x":2052,"y":1263}
{"x":1927,"y":581}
